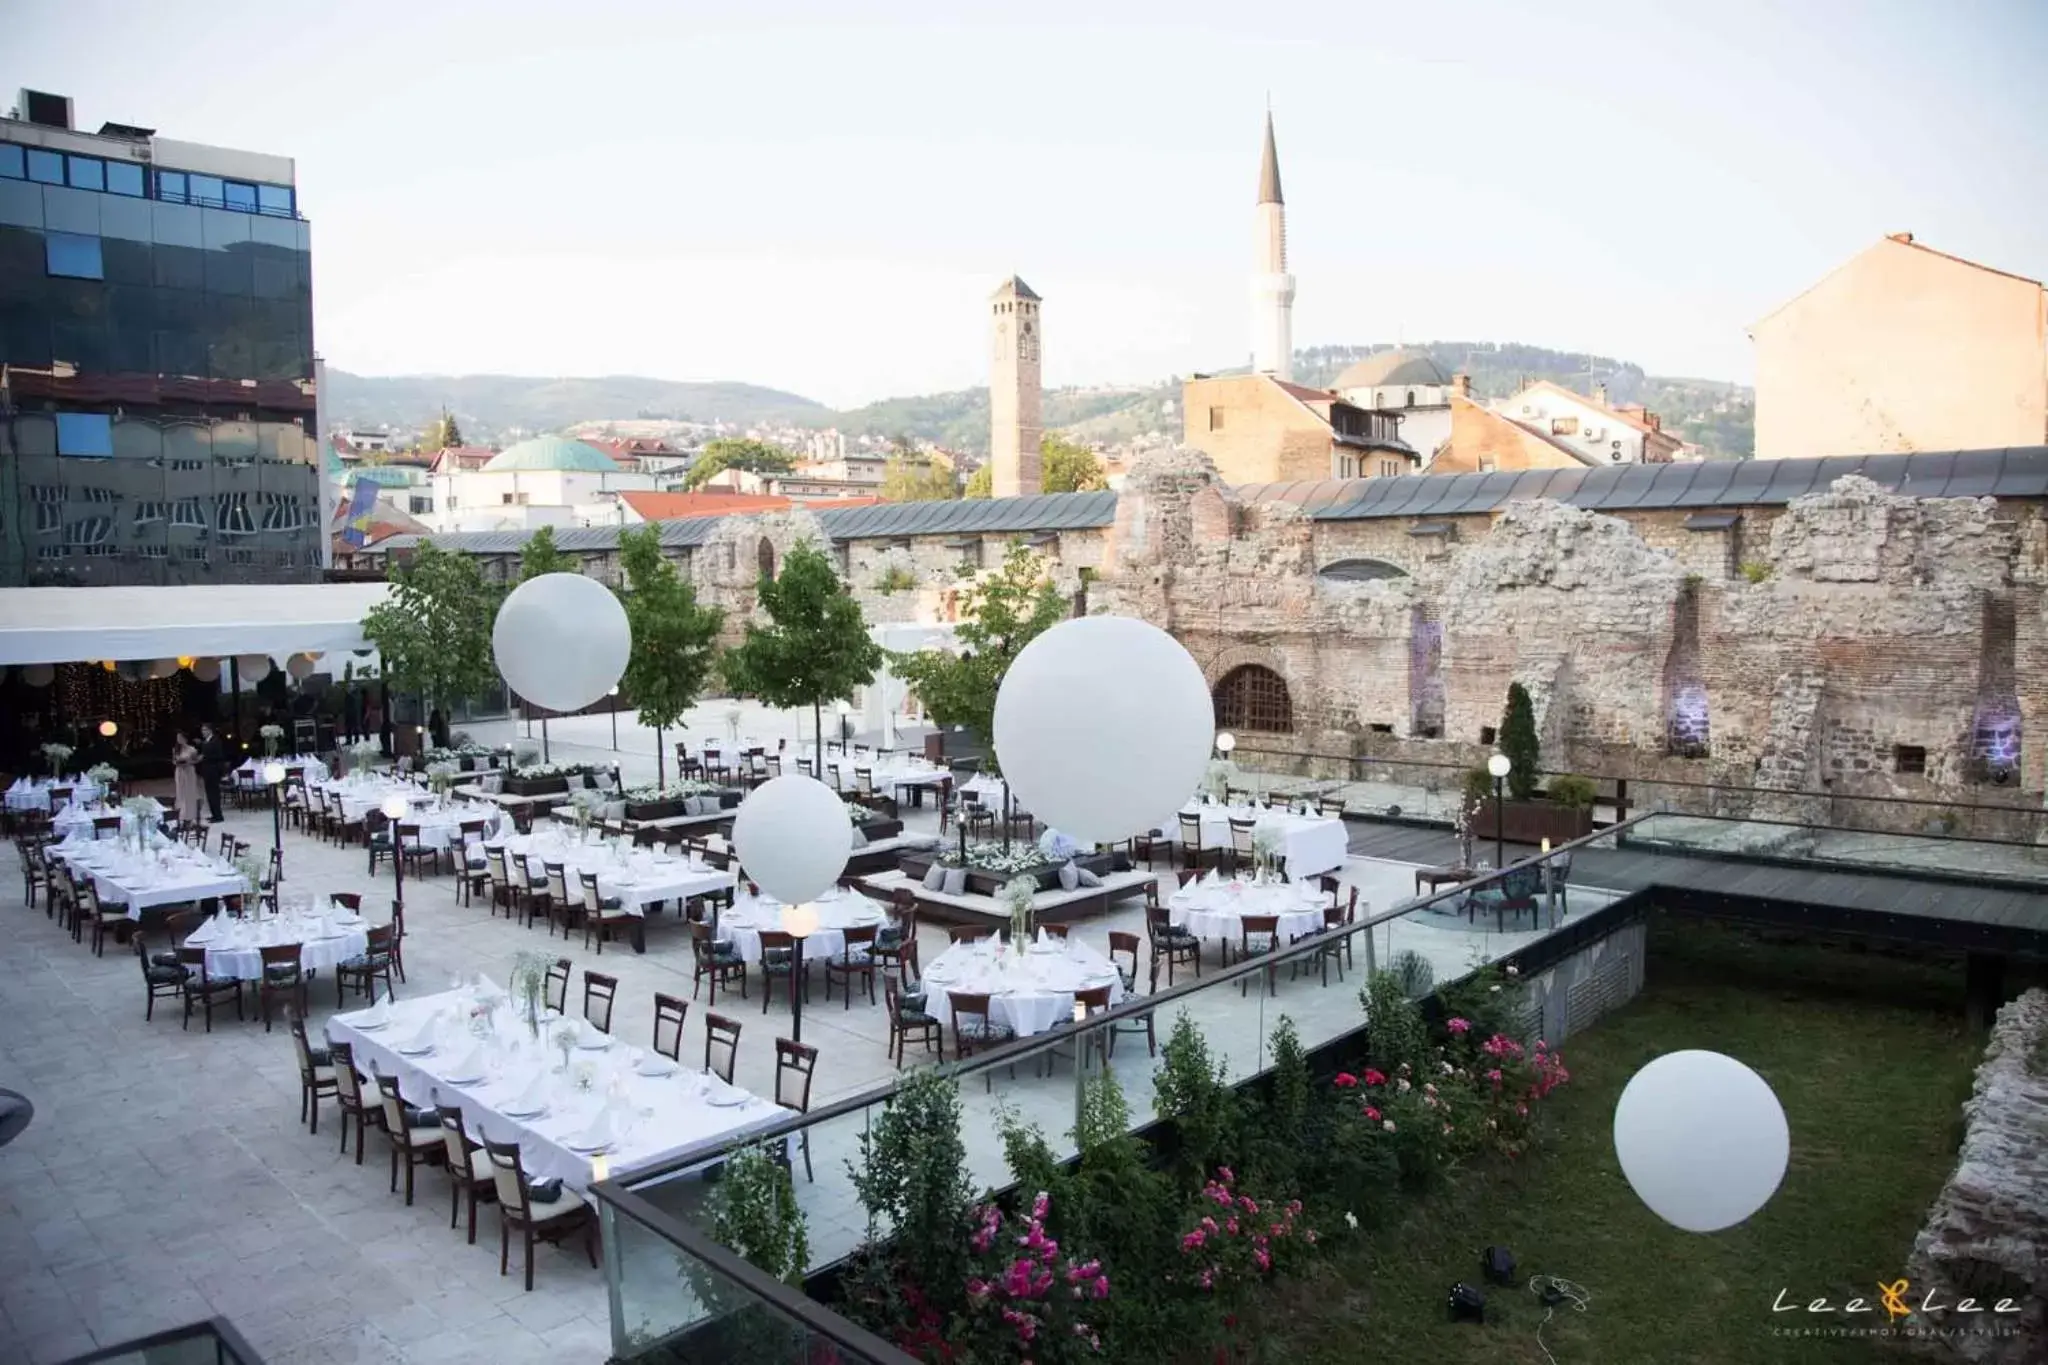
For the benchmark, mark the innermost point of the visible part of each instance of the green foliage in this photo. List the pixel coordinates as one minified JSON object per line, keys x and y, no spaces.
{"x":1478,"y":787}
{"x":998,"y":617}
{"x":1414,"y":973}
{"x":1573,"y":792}
{"x":1396,"y":1035}
{"x":1755,"y":570}
{"x":815,"y":647}
{"x":434,"y":630}
{"x":1190,"y":1089}
{"x":1066,"y":467}
{"x":753,"y":1210}
{"x":1492,"y":998}
{"x":896,"y":578}
{"x":1283,"y":1130}
{"x":911,"y":476}
{"x":1518,"y":741}
{"x":539,"y":556}
{"x":674,"y":639}
{"x":911,"y":1177}
{"x":441,"y":433}
{"x":981,"y":483}
{"x":733,"y":452}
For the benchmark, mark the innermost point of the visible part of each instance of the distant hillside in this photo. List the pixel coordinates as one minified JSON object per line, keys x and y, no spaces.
{"x":959,"y":420}
{"x":495,"y":406}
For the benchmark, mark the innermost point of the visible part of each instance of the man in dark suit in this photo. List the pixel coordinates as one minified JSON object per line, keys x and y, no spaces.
{"x":213,"y":765}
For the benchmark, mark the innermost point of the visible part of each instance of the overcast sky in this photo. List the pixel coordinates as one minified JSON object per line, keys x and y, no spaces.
{"x":793,"y":196}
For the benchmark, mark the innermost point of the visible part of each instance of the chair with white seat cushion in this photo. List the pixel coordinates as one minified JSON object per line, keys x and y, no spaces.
{"x":545,"y":1212}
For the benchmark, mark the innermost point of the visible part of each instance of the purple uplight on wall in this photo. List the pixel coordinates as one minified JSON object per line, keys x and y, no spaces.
{"x":1996,"y":739}
{"x":1690,"y":730}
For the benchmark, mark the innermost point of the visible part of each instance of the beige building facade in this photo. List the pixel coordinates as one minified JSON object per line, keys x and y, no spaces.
{"x":1900,"y":350}
{"x":1260,"y":429}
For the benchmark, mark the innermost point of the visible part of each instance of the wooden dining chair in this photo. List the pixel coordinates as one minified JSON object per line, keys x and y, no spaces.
{"x":778,"y":958}
{"x":282,"y":979}
{"x":856,"y":960}
{"x":722,"y":1037}
{"x":1090,"y":1001}
{"x":969,"y":933}
{"x":603,"y":915}
{"x":1258,"y":936}
{"x":415,"y":1135}
{"x":669,"y":1012}
{"x":364,"y":971}
{"x":1242,"y":851}
{"x":718,"y":962}
{"x":555,"y":988}
{"x":538,"y":1220}
{"x":350,"y":1100}
{"x":599,"y":992}
{"x":795,"y":1064}
{"x":907,"y":1020}
{"x":205,"y":992}
{"x":316,"y":1071}
{"x":974,"y":1030}
{"x":468,"y":1174}
{"x":1192,"y":854}
{"x":164,"y":981}
{"x":1171,"y":945}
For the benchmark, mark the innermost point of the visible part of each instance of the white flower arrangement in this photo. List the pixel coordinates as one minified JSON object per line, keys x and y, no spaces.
{"x":103,"y":775}
{"x":273,"y":738}
{"x":534,"y":770}
{"x":145,"y":810}
{"x":365,"y":753}
{"x":441,"y":775}
{"x":674,"y":791}
{"x":992,"y":858}
{"x":1016,"y":897}
{"x":732,"y":722}
{"x":456,"y":753}
{"x":1222,"y":772}
{"x":56,"y":755}
{"x":858,"y":813}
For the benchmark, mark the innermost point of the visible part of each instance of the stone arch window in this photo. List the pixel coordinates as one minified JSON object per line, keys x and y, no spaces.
{"x":1411,"y":398}
{"x":1253,"y":698}
{"x":764,"y":557}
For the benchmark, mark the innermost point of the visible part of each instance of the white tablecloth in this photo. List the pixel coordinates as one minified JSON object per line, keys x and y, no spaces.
{"x":234,"y":947}
{"x":440,"y":818}
{"x":78,"y":819}
{"x":1031,"y":993}
{"x":1217,"y":909}
{"x":314,"y":771}
{"x":638,"y":877}
{"x":121,"y":877}
{"x":1312,"y":844}
{"x":33,"y":793}
{"x":838,"y":911}
{"x":656,"y":1118}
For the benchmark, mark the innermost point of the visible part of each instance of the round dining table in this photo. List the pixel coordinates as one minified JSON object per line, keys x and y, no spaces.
{"x":1032,"y":991}
{"x":838,"y":910}
{"x":1217,"y":909}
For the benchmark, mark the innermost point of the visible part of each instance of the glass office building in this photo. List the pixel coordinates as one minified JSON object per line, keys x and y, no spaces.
{"x":157,"y":395}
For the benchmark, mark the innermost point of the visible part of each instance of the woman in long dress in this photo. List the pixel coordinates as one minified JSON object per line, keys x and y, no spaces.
{"x":185,"y":779}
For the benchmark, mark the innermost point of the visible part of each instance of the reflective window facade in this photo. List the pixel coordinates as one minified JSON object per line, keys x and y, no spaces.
{"x":157,"y":425}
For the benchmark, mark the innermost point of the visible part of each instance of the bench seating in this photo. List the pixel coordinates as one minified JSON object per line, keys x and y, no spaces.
{"x":1056,"y":906}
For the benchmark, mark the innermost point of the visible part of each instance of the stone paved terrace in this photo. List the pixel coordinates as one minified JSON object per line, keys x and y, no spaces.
{"x":166,"y":1177}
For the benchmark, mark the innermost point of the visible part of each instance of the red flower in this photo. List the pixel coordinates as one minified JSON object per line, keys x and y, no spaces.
{"x":1345,"y":1080}
{"x":1373,"y":1077}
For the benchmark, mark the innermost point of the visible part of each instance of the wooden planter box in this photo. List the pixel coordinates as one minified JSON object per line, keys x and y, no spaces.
{"x":880,"y":828}
{"x":981,"y":883}
{"x":1531,"y":822}
{"x":535,"y":786}
{"x":653,"y":810}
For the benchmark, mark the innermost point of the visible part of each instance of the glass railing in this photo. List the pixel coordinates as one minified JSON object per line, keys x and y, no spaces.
{"x":1314,"y":983}
{"x":213,"y":1342}
{"x":1923,"y":856}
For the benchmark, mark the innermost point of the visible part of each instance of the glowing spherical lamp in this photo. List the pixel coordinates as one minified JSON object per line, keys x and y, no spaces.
{"x":109,"y":729}
{"x":273,"y":772}
{"x":1499,"y":765}
{"x":394,"y":806}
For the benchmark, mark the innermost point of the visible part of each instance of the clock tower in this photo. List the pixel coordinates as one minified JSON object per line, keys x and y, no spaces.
{"x":1016,"y":421}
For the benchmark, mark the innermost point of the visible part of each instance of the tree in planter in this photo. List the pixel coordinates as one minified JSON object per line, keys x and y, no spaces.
{"x":539,"y":556}
{"x":673,"y":638}
{"x":816,"y":647}
{"x":911,"y":1178}
{"x":1518,"y":741}
{"x":998,"y":617}
{"x":754,"y":1212}
{"x":434,"y":630}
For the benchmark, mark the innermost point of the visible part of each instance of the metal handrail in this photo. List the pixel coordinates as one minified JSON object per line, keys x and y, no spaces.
{"x":1133,"y":1007}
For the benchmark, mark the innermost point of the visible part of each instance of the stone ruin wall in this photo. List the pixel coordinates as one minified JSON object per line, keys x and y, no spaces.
{"x":1867,"y":631}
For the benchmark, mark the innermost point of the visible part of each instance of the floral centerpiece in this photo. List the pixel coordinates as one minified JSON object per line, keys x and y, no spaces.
{"x":56,"y":755}
{"x":273,"y":738}
{"x":586,"y":805}
{"x":732,"y":723}
{"x":528,"y":771}
{"x":858,"y":813}
{"x":142,"y":814}
{"x":565,"y":1037}
{"x":441,"y":776}
{"x":1222,"y":772}
{"x":364,"y":754}
{"x":251,"y":869}
{"x":529,"y":986}
{"x":1016,"y":897}
{"x":103,"y":776}
{"x":994,"y":858}
{"x":1266,"y":846}
{"x":674,"y":791}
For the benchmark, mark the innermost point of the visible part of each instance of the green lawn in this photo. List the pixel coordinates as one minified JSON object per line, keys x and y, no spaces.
{"x":1870,"y":1057}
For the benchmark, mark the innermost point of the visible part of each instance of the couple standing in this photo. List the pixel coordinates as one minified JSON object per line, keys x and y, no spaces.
{"x":206,"y":763}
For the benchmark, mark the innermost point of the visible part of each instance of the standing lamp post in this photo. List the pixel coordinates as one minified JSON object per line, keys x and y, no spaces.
{"x":394,"y":808}
{"x":614,"y":695}
{"x":273,"y":775}
{"x":1499,"y":765}
{"x":1226,"y":743}
{"x":799,"y":922}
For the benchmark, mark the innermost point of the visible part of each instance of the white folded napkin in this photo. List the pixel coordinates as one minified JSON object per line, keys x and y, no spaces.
{"x":379,"y":1011}
{"x":534,"y":1098}
{"x":592,"y":1035}
{"x":424,"y":1039}
{"x":600,"y":1132}
{"x":470,"y":1067}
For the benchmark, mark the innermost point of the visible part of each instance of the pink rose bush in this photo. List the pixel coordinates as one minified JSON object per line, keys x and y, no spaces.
{"x":1025,"y":1300}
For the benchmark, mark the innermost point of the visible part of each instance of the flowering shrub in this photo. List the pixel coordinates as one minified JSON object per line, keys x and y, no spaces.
{"x":1238,"y":1241}
{"x":1029,"y":1302}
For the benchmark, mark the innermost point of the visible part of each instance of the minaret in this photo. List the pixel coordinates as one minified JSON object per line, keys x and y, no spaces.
{"x":1272,"y":286}
{"x":1015,"y":421}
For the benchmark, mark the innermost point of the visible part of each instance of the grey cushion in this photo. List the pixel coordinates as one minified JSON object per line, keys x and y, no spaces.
{"x":1086,"y":877}
{"x":956,"y":881}
{"x":935,"y":878}
{"x":167,"y":976}
{"x":983,"y":1030}
{"x":1070,"y":876}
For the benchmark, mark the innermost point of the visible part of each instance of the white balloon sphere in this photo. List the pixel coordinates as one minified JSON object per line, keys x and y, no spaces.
{"x":1702,"y":1139}
{"x":39,"y":675}
{"x":300,"y":666}
{"x":561,"y":640}
{"x":1102,"y":727}
{"x":206,"y":670}
{"x":163,"y":668}
{"x":792,"y":837}
{"x":253,"y":668}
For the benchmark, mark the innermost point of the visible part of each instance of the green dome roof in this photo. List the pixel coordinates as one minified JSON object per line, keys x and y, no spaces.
{"x":551,"y":452}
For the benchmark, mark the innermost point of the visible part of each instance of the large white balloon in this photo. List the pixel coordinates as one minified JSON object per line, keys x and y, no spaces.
{"x":792,"y":837}
{"x":252,"y":668}
{"x":561,"y":640}
{"x":1102,"y":727}
{"x":1702,"y":1139}
{"x":164,"y":668}
{"x":206,"y":670}
{"x":39,"y":675}
{"x":299,"y":666}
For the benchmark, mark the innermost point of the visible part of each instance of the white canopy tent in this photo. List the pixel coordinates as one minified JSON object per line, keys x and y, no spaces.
{"x":886,"y":698}
{"x":75,"y":625}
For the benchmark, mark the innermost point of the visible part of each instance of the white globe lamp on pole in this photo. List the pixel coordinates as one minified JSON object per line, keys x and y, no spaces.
{"x":394,"y":807}
{"x":1500,"y":765}
{"x":273,"y":777}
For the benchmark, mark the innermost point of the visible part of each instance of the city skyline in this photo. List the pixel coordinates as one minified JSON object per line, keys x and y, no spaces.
{"x":823,"y":207}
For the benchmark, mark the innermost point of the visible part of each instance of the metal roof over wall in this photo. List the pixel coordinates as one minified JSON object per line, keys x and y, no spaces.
{"x":2018,"y":472}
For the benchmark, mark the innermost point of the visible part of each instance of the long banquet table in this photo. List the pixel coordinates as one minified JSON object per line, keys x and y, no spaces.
{"x":638,"y":877}
{"x":1312,"y":844}
{"x":171,"y":875}
{"x":653,"y":1118}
